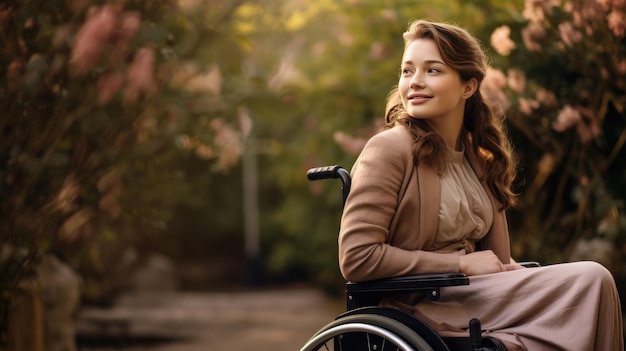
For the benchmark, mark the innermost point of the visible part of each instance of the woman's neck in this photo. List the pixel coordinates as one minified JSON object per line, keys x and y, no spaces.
{"x":451,"y":134}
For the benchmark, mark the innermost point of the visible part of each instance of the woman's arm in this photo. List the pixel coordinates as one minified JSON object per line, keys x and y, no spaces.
{"x":377,"y":185}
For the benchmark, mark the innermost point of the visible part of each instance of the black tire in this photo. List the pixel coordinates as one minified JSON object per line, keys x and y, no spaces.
{"x":366,"y":332}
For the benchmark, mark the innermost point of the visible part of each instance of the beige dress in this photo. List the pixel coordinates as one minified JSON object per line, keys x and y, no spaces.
{"x":573,"y":307}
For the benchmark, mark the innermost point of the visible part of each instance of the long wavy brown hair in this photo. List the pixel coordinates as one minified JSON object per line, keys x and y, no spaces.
{"x":483,"y":132}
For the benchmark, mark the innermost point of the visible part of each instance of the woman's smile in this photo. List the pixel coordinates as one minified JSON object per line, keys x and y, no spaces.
{"x":417,"y":99}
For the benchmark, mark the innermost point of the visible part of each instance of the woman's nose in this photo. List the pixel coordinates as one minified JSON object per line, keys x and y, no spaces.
{"x":417,"y":81}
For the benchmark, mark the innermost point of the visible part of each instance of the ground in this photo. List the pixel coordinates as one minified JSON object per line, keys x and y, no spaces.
{"x":279,"y":319}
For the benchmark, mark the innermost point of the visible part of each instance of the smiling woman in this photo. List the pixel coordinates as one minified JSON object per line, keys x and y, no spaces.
{"x":433,"y":91}
{"x":429,"y":194}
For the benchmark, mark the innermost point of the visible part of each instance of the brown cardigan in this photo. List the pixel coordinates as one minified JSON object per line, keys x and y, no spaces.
{"x":390,"y":218}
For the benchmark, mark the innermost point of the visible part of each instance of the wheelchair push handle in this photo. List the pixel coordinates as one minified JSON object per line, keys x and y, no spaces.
{"x":332,"y":172}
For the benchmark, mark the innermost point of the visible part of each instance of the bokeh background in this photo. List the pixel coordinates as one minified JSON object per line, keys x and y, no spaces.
{"x":175,"y":135}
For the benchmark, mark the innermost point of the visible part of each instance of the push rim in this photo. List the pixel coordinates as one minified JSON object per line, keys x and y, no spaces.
{"x":389,"y":333}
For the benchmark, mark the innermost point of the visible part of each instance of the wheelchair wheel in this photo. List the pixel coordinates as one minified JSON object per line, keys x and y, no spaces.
{"x":366,"y":332}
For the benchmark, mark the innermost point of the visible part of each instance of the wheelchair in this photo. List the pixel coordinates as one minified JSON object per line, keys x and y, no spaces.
{"x":367,"y":327}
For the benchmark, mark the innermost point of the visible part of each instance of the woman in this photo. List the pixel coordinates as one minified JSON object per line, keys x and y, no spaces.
{"x":429,"y":194}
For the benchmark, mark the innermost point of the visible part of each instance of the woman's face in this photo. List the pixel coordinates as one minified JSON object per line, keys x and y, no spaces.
{"x":430,"y":89}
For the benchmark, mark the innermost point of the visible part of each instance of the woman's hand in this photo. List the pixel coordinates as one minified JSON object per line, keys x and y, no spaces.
{"x":483,"y":262}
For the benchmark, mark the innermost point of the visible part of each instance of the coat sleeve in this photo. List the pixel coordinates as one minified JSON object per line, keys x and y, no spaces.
{"x":497,"y":239}
{"x":364,"y":249}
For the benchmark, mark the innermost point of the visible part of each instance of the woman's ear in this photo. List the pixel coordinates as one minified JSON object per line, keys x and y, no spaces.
{"x":469,"y":88}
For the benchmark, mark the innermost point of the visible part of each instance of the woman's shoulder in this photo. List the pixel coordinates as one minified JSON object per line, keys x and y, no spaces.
{"x":393,"y":145}
{"x":397,"y":135}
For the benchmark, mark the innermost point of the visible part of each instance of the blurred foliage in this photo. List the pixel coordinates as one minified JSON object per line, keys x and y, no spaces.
{"x":124,"y":121}
{"x":101,"y":104}
{"x":562,"y":82}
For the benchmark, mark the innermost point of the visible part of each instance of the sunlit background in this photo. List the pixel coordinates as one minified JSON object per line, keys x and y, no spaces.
{"x":163,"y":145}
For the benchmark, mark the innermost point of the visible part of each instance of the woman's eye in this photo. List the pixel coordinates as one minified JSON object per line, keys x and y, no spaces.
{"x":433,"y":70}
{"x":406,"y":71}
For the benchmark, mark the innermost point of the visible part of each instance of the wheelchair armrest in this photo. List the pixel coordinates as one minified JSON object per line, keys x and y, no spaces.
{"x":370,"y":292}
{"x":530,"y":264}
{"x":409,"y":283}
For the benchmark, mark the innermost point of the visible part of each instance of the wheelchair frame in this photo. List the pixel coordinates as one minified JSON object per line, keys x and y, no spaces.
{"x":365,"y":326}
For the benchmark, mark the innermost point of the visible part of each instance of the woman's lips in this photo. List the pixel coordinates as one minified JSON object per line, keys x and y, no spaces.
{"x":418,"y":99}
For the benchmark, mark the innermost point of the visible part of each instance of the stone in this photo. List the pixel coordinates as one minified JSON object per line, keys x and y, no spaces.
{"x":156,"y":273}
{"x":60,"y":295}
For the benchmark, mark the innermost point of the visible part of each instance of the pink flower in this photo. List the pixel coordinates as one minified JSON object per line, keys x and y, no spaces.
{"x":566,"y":118}
{"x":618,"y":3}
{"x":501,"y":41}
{"x":526,"y":106}
{"x":104,"y":25}
{"x":606,"y":4}
{"x":587,"y":128}
{"x":229,"y":143}
{"x":492,"y":88}
{"x":545,"y":97}
{"x":536,"y":10}
{"x":516,"y":79}
{"x":127,"y":26}
{"x":351,"y":145}
{"x":108,"y":85}
{"x":621,"y":66}
{"x":584,"y":12}
{"x":586,"y":133}
{"x":389,"y":14}
{"x":378,"y":51}
{"x":617,"y":23}
{"x":14,"y":74}
{"x":140,"y":75}
{"x":130,"y":24}
{"x":92,"y":37}
{"x":205,"y":152}
{"x":582,"y":118}
{"x":533,"y":36}
{"x":345,"y":39}
{"x":494,"y":79}
{"x":569,"y":35}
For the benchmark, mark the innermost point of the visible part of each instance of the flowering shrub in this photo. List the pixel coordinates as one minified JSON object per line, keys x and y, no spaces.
{"x":561,"y":78}
{"x":91,"y":121}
